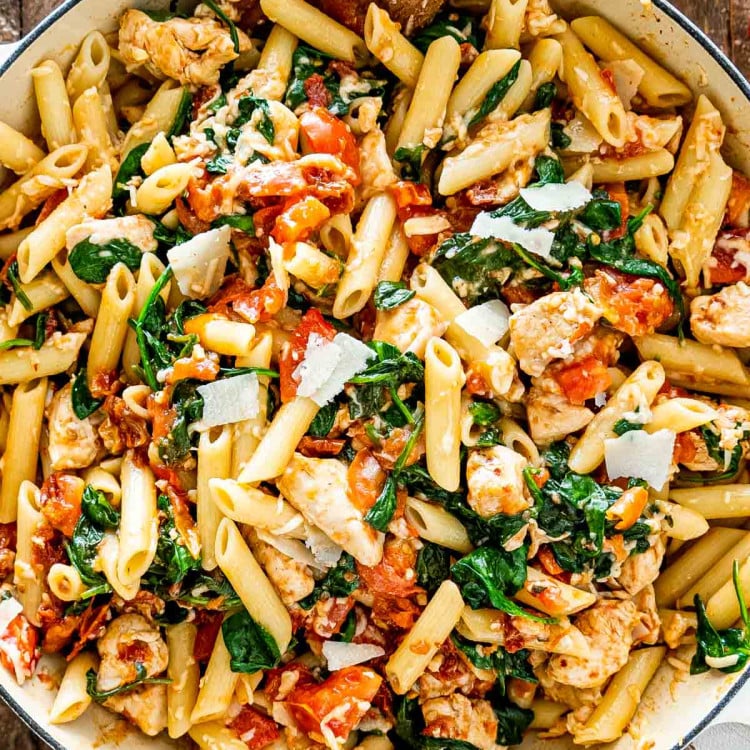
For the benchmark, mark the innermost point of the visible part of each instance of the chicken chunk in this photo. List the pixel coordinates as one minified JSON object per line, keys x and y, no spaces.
{"x":129,"y":641}
{"x":72,"y":443}
{"x":450,"y":671}
{"x":551,"y":416}
{"x":722,"y":318}
{"x":641,"y":569}
{"x":138,"y":230}
{"x":409,"y":326}
{"x":546,"y":329}
{"x":292,"y":579}
{"x":459,"y":718}
{"x":648,"y":624}
{"x":411,"y":14}
{"x":494,"y":477}
{"x":319,"y":489}
{"x":190,"y":50}
{"x":608,"y":628}
{"x":145,"y":706}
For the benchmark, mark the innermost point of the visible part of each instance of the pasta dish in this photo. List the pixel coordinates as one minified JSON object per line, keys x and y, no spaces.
{"x":371,"y":377}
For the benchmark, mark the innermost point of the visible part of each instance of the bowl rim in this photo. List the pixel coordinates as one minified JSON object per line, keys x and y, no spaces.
{"x":687,"y":25}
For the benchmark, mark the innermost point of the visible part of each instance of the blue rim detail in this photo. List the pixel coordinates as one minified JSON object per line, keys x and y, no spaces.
{"x":684,"y":23}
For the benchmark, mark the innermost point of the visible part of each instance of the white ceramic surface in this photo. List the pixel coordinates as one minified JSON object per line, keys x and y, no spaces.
{"x":673,"y":710}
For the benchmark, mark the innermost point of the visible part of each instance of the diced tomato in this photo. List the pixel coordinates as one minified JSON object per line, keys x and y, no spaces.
{"x":539,"y":477}
{"x":255,"y":729}
{"x":366,"y":480}
{"x":685,"y":447}
{"x":188,"y":219}
{"x":299,"y":219}
{"x":618,"y":193}
{"x":549,"y":562}
{"x":628,"y":508}
{"x":328,"y":616}
{"x":319,"y":447}
{"x":278,"y":685}
{"x":209,"y":624}
{"x":322,"y":133}
{"x":338,"y":703}
{"x":582,"y":380}
{"x":19,"y":648}
{"x":200,"y":365}
{"x":409,"y":194}
{"x":673,"y":391}
{"x":253,"y":305}
{"x":60,"y":501}
{"x":394,"y":575}
{"x":632,"y":304}
{"x":476,"y":385}
{"x":609,"y":78}
{"x":393,"y":446}
{"x":725,"y":265}
{"x":316,"y":92}
{"x":738,"y":206}
{"x":293,"y":354}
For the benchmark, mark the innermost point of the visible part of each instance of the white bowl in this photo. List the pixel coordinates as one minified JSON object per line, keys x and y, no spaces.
{"x":673,"y":711}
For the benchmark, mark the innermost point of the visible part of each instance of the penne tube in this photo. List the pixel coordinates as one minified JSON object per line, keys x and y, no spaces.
{"x":720,"y":501}
{"x":545,"y":58}
{"x":229,"y":337}
{"x":723,"y":608}
{"x":159,"y":154}
{"x":505,"y":20}
{"x":546,"y":713}
{"x":516,"y":96}
{"x":685,"y":524}
{"x":217,"y":686}
{"x":275,"y":64}
{"x":214,"y":461}
{"x":53,"y":105}
{"x":72,"y":698}
{"x":435,"y":524}
{"x":90,"y":119}
{"x":214,"y":735}
{"x":10,"y":241}
{"x":658,"y":87}
{"x":336,"y":235}
{"x":88,"y":297}
{"x":92,"y":198}
{"x":17,"y":152}
{"x":396,"y":255}
{"x":90,"y":66}
{"x":553,"y":597}
{"x":385,"y":40}
{"x":421,"y":643}
{"x":65,"y":582}
{"x":184,"y":671}
{"x":28,"y":573}
{"x":444,"y":377}
{"x":680,"y":415}
{"x":311,"y":266}
{"x":641,"y":167}
{"x":57,"y":354}
{"x":158,"y":117}
{"x":22,"y":443}
{"x":158,"y":192}
{"x":107,"y":562}
{"x":249,"y":581}
{"x":44,"y":291}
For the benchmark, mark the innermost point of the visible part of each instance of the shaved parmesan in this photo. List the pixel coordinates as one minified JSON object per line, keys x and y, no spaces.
{"x":722,"y":662}
{"x":292,"y":548}
{"x":10,"y":608}
{"x":538,"y":241}
{"x":199,"y":264}
{"x":325,"y":551}
{"x":641,"y":455}
{"x":564,"y":196}
{"x":280,"y":275}
{"x":487,"y":322}
{"x":600,"y":399}
{"x":230,"y":400}
{"x":329,"y":365}
{"x":341,"y":655}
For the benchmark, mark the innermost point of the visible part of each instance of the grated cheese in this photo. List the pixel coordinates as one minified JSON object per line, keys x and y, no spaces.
{"x":642,"y":455}
{"x":199,"y":263}
{"x":487,"y":322}
{"x":340,"y":654}
{"x":228,"y":401}
{"x":565,"y":196}
{"x":537,"y":241}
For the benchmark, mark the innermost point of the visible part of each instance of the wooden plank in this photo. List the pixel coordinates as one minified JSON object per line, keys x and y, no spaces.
{"x":33,"y":11}
{"x":712,"y":16}
{"x":10,"y":20}
{"x":739,"y":20}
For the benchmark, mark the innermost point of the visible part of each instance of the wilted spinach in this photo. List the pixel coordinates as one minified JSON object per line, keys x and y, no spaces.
{"x":251,"y":647}
{"x":84,"y":404}
{"x":102,"y":695}
{"x":341,"y":580}
{"x":496,"y":94}
{"x":92,"y":262}
{"x":390,"y":294}
{"x":433,"y":566}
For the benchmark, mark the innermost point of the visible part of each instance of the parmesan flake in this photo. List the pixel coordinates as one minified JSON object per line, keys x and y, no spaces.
{"x":487,"y":322}
{"x":228,"y":401}
{"x":340,"y":654}
{"x":565,"y":196}
{"x":641,"y":455}
{"x":537,"y":241}
{"x":199,"y":264}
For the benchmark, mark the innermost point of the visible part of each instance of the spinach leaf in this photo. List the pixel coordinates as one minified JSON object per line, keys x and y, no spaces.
{"x":247,"y":106}
{"x":12,"y":276}
{"x":379,"y":516}
{"x":545,"y":95}
{"x":463,"y":28}
{"x":82,"y":551}
{"x":182,"y":117}
{"x":549,"y":171}
{"x":251,"y":647}
{"x":173,"y":560}
{"x":411,"y":158}
{"x":715,"y":451}
{"x":341,"y":580}
{"x":491,"y":576}
{"x":720,"y":644}
{"x":496,"y":94}
{"x":483,"y":413}
{"x":391,"y":294}
{"x":433,"y":566}
{"x":560,"y":139}
{"x":92,"y":263}
{"x":188,"y":406}
{"x":187,"y":309}
{"x":84,"y":404}
{"x":129,"y":168}
{"x":490,"y":437}
{"x":565,"y":280}
{"x":219,"y":164}
{"x":601,"y":214}
{"x":98,"y":510}
{"x":14,"y":343}
{"x":242,"y":222}
{"x":232,"y":372}
{"x":512,"y":722}
{"x":324,"y":420}
{"x":99,"y":696}
{"x":622,"y":426}
{"x":208,"y":591}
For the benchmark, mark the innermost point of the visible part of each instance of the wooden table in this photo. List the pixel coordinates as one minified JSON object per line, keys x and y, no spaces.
{"x":725,"y":21}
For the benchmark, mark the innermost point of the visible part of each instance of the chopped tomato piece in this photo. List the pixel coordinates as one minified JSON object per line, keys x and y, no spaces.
{"x":539,"y":477}
{"x":548,"y":560}
{"x":255,"y":729}
{"x":253,"y":305}
{"x":7,"y":548}
{"x":725,"y":266}
{"x":317,"y":447}
{"x":582,"y":380}
{"x":394,"y":575}
{"x":316,"y":92}
{"x":738,"y":206}
{"x":300,"y":219}
{"x":685,"y":447}
{"x":322,"y":133}
{"x":337,"y":704}
{"x":618,"y":193}
{"x":366,"y":480}
{"x":409,"y":194}
{"x":632,"y":304}
{"x":393,"y":446}
{"x":200,"y":365}
{"x":209,"y":624}
{"x":293,"y":354}
{"x":19,"y":648}
{"x":60,"y":501}
{"x":628,"y":507}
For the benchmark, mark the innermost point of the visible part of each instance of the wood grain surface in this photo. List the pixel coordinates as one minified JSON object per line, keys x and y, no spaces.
{"x":725,"y":21}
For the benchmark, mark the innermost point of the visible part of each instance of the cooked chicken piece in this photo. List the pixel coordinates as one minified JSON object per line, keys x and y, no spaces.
{"x":190,"y":50}
{"x":319,"y":489}
{"x":375,"y":166}
{"x":411,"y":14}
{"x":567,"y":694}
{"x":458,"y":718}
{"x":72,"y":443}
{"x":641,"y":569}
{"x":409,"y":326}
{"x":129,"y":641}
{"x":608,"y":627}
{"x":292,"y":579}
{"x":137,"y":230}
{"x":494,"y":477}
{"x":546,"y":329}
{"x":676,"y":625}
{"x":540,"y":20}
{"x":145,"y":706}
{"x":648,"y":624}
{"x":451,"y":672}
{"x":551,"y":416}
{"x":722,"y":318}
